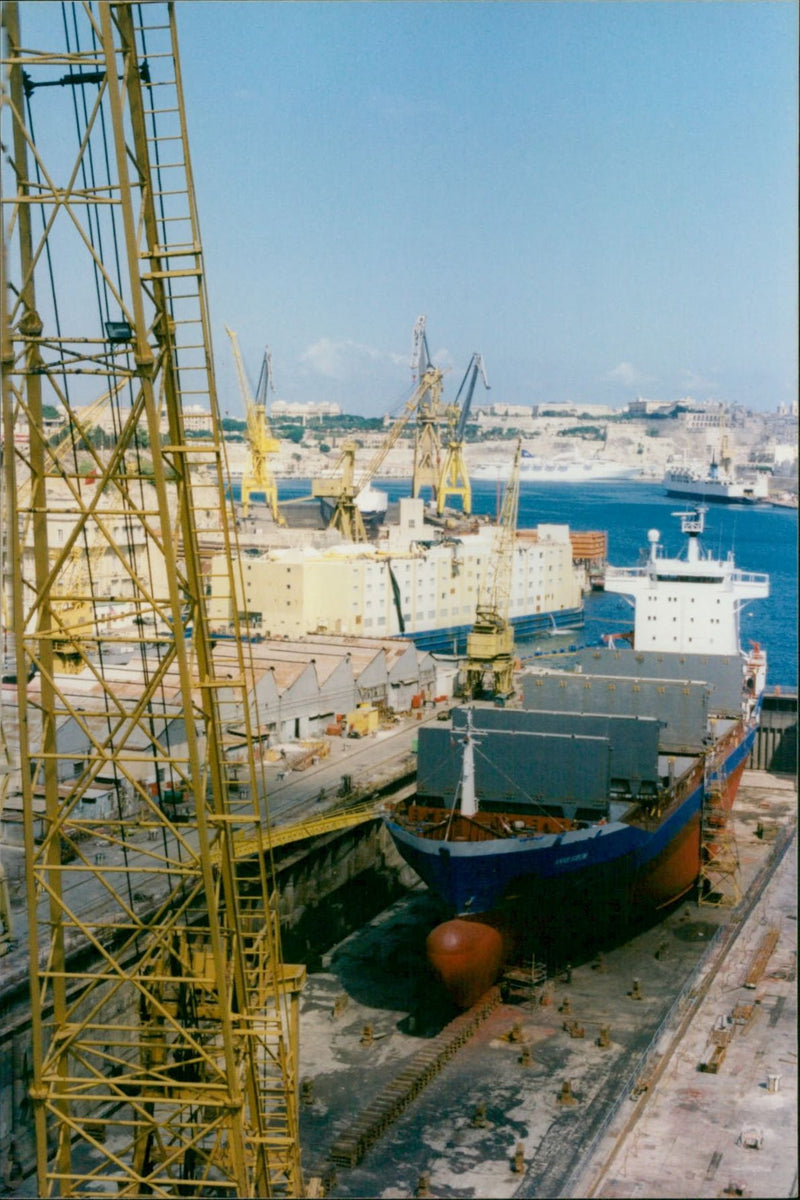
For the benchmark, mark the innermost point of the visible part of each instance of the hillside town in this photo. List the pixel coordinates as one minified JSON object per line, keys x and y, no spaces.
{"x":648,"y":436}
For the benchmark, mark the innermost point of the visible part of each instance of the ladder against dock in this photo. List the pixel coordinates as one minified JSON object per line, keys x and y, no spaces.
{"x":719,"y":881}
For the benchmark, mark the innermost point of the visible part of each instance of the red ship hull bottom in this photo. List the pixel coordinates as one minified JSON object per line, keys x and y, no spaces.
{"x":467,"y":956}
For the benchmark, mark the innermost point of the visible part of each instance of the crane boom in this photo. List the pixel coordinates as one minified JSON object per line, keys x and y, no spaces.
{"x":344,"y":489}
{"x":430,"y":411}
{"x":420,"y":358}
{"x":476,"y":366}
{"x":454,"y":479}
{"x":389,"y":442}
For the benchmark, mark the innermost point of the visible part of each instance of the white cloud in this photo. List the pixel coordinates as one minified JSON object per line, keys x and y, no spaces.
{"x":692,"y":381}
{"x":443,"y":359}
{"x":629,"y":375}
{"x":359,"y":377}
{"x":345,"y":359}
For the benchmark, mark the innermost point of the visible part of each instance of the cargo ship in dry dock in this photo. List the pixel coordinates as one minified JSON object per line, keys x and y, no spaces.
{"x":583,"y":804}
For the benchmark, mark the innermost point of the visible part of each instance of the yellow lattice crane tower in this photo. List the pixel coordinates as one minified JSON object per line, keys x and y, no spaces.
{"x":343,"y":490}
{"x":163,"y":1036}
{"x":430,"y":413}
{"x":454,"y":480}
{"x":260,"y":441}
{"x":490,"y":644}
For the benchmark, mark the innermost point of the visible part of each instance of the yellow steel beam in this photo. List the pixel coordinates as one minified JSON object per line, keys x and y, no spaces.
{"x":179,"y":1030}
{"x":247,"y":846}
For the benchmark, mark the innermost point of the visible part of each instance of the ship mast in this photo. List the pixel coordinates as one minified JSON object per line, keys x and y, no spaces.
{"x":469,"y":800}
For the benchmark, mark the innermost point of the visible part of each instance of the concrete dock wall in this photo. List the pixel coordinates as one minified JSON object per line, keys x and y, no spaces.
{"x":775,"y":747}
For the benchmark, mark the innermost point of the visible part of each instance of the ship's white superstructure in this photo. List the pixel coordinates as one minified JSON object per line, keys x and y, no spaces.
{"x":534,"y":468}
{"x":687,"y":605}
{"x":417,"y":580}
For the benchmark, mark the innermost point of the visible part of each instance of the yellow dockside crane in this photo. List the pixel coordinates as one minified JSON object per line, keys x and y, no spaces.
{"x":163,"y":1020}
{"x":490,"y":644}
{"x":260,"y":442}
{"x":343,"y":490}
{"x":454,"y":480}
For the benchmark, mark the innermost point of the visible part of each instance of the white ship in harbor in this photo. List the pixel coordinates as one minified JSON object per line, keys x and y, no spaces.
{"x":371,"y":502}
{"x":568,"y":469}
{"x":716,"y":480}
{"x":716,"y":483}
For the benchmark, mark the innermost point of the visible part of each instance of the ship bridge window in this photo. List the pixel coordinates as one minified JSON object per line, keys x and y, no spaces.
{"x":689,"y":578}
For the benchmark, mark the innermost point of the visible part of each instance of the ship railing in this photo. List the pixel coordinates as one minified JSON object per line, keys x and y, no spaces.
{"x":641,"y":572}
{"x":749,"y":577}
{"x":625,"y":572}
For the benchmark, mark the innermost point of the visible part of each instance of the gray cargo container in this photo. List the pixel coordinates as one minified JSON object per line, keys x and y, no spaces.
{"x":722,"y":672}
{"x":518,"y":771}
{"x":634,"y":741}
{"x":680,"y":705}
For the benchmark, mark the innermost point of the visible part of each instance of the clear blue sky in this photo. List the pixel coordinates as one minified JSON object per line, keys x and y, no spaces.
{"x":601,"y":198}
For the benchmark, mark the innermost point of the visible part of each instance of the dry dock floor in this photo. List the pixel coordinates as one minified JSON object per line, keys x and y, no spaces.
{"x":491,"y":1122}
{"x":705,"y":1134}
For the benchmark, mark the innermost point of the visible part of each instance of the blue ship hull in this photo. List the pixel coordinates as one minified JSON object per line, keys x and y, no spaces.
{"x":478,"y":877}
{"x":453,"y":638}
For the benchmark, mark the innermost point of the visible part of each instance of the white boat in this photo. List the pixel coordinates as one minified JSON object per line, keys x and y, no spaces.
{"x":716,"y":480}
{"x":372,"y":502}
{"x":533,"y":468}
{"x":715,"y":484}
